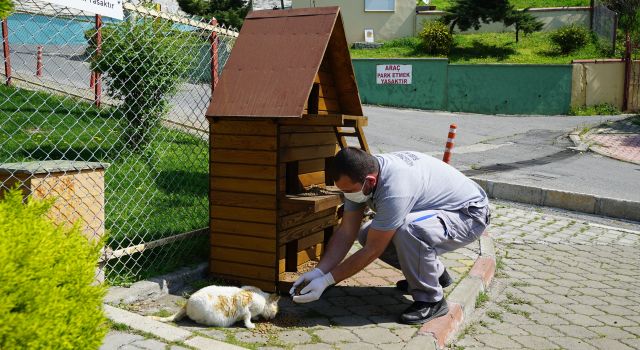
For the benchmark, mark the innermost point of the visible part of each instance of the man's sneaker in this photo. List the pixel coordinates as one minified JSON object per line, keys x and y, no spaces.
{"x":445,"y":281}
{"x":420,"y":312}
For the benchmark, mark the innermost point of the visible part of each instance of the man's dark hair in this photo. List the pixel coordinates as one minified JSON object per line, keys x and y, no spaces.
{"x":355,"y":163}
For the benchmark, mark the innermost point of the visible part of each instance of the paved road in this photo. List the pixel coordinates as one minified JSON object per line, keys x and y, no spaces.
{"x":564,"y":282}
{"x":527,"y":150}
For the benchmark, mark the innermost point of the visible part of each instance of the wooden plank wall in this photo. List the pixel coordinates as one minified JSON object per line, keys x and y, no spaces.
{"x":310,"y":146}
{"x":328,"y":102}
{"x":243,"y":177}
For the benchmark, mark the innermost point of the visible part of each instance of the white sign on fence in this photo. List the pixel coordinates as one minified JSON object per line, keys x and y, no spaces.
{"x":107,"y":8}
{"x":393,"y":74}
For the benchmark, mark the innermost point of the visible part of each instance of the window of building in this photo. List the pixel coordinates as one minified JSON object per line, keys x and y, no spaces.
{"x":380,"y":5}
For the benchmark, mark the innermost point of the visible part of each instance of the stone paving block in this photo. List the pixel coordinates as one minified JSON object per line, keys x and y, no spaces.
{"x":356,"y":346}
{"x":392,"y":346}
{"x":376,"y":335}
{"x":633,"y":343}
{"x":352,"y":321}
{"x":388,"y":320}
{"x":420,"y":342}
{"x":178,"y":347}
{"x":570,"y":343}
{"x":367,"y":310}
{"x":251,"y":337}
{"x":588,"y":300}
{"x":116,"y":339}
{"x":534,"y":342}
{"x":616,"y":321}
{"x":150,"y":344}
{"x":548,"y":319}
{"x":202,"y":343}
{"x":611,"y":332}
{"x":497,"y":341}
{"x":379,"y":300}
{"x":581,"y":320}
{"x":405,"y":333}
{"x":585,"y":310}
{"x":575,"y":331}
{"x":145,"y":324}
{"x":507,"y":329}
{"x":214,"y":333}
{"x":604,"y":343}
{"x":336,"y":335}
{"x":551,"y":308}
{"x":634,"y":330}
{"x":294,"y":337}
{"x":346,"y":301}
{"x":540,"y":330}
{"x":313,"y":347}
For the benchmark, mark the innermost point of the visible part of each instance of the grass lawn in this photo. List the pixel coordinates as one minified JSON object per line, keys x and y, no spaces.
{"x":521,"y":4}
{"x":485,"y":48}
{"x":149,"y":195}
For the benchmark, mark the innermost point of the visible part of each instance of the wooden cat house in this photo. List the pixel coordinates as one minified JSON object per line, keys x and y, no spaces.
{"x":285,"y":102}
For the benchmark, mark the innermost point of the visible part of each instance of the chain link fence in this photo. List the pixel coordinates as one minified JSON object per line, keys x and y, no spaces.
{"x":604,"y":23}
{"x":107,"y":117}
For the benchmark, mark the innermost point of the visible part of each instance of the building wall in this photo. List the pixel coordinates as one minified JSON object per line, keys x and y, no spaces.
{"x":385,"y":25}
{"x":552,"y":19}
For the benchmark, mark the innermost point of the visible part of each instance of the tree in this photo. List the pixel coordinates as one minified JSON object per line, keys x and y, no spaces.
{"x":523,"y":21}
{"x":6,"y":6}
{"x":228,"y":12}
{"x":629,"y":12}
{"x":472,"y":13}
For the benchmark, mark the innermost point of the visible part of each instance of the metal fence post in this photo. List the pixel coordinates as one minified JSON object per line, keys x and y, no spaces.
{"x":5,"y":50}
{"x":627,"y":71}
{"x":213,"y":38}
{"x":96,"y":75}
{"x":39,"y":61}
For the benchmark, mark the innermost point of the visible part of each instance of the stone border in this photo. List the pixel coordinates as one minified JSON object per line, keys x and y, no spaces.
{"x":156,"y":286}
{"x":436,"y":334}
{"x":165,"y":331}
{"x":575,"y":201}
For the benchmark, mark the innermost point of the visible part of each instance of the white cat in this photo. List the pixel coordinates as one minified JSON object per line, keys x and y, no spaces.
{"x":223,"y":306}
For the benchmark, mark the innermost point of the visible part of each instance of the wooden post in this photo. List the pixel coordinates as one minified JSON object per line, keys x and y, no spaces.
{"x":96,"y":75}
{"x":627,"y":72}
{"x":5,"y":50}
{"x":39,"y":62}
{"x":213,"y":39}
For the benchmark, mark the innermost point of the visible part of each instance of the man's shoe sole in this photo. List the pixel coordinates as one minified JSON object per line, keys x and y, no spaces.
{"x":443,"y":311}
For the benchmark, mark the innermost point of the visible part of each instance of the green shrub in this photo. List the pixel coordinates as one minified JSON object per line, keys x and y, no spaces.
{"x":144,"y":62}
{"x":46,"y":297}
{"x":570,"y":38}
{"x":6,"y":7}
{"x":436,"y":38}
{"x":599,"y":109}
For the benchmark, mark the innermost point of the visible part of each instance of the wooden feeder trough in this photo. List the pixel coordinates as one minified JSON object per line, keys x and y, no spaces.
{"x":282,"y":108}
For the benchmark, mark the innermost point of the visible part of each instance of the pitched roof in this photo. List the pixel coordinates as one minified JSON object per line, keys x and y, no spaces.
{"x":274,"y":62}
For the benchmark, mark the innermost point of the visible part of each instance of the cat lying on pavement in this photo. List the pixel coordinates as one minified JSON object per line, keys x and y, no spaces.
{"x":223,"y":306}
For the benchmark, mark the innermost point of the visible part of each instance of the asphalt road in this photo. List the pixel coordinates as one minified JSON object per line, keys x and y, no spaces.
{"x":528,"y":150}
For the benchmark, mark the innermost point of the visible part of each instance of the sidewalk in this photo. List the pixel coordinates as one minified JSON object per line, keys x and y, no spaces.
{"x":563,"y":282}
{"x":619,"y":140}
{"x":359,"y":313}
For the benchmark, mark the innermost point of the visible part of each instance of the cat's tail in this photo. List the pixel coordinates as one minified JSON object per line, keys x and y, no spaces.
{"x":176,"y":317}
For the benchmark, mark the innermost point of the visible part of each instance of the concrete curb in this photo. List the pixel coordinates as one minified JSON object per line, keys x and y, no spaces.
{"x":580,"y":202}
{"x":462,"y":300}
{"x":156,"y":286}
{"x":164,"y":331}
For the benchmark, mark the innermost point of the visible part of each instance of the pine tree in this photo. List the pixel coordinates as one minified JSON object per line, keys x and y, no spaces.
{"x":228,"y":12}
{"x":523,"y":21}
{"x":468,"y":14}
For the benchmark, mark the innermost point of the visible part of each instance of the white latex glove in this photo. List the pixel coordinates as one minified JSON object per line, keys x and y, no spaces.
{"x":306,"y":277}
{"x":313,"y":290}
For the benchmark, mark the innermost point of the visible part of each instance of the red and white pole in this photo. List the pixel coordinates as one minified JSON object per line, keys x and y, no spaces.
{"x":449,"y":146}
{"x":39,"y":62}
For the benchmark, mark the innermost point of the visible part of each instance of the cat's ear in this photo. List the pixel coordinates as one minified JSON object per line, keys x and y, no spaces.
{"x":274,"y":298}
